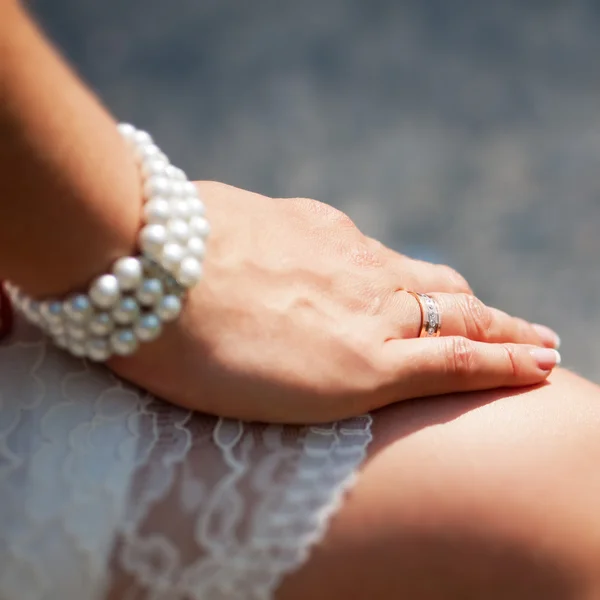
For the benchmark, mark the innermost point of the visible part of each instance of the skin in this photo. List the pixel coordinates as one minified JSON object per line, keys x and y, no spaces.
{"x":282,"y":277}
{"x":484,"y":495}
{"x":481,"y":495}
{"x":463,"y":518}
{"x":290,"y":276}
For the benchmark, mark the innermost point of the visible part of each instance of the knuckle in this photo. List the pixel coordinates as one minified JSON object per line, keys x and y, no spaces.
{"x":478,"y":317}
{"x":375,"y":245}
{"x":302,"y":204}
{"x":328,"y":212}
{"x":459,"y":283}
{"x":512,"y":362}
{"x":461,"y":356}
{"x":362,"y":255}
{"x":339,"y":218}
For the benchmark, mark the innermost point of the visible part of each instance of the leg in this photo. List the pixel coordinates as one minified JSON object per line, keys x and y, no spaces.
{"x":487,"y":495}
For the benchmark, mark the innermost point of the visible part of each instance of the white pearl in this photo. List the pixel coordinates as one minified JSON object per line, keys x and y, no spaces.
{"x":142,"y":138}
{"x":123,"y":342}
{"x":128,"y":271}
{"x":168,"y":308}
{"x":176,"y":173}
{"x":78,"y":308}
{"x":146,"y":152}
{"x":76,"y":348}
{"x":196,"y":247}
{"x":162,"y":156}
{"x":126,"y":130}
{"x":157,"y":210}
{"x":189,"y":272}
{"x":154,"y":165}
{"x":178,"y":230}
{"x":150,"y":292}
{"x":181,"y":209}
{"x":190,"y":189}
{"x":176,"y":188}
{"x":105,"y":291}
{"x":101,"y":324}
{"x":52,"y":311}
{"x":148,"y":328}
{"x":200,"y":226}
{"x":76,"y":332}
{"x":172,"y":255}
{"x":97,"y":349}
{"x":126,"y":311}
{"x":152,"y":238}
{"x":196,"y":206}
{"x":157,"y":185}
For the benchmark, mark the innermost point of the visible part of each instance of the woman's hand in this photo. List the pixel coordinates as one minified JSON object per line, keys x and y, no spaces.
{"x":301,"y":318}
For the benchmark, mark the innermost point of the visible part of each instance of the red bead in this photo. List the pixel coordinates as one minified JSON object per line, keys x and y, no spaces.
{"x":6,"y":313}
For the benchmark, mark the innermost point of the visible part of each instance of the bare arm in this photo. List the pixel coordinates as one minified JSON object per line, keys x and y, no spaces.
{"x":69,"y":197}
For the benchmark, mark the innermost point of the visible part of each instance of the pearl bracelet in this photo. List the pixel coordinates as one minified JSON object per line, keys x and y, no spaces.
{"x":130,"y":304}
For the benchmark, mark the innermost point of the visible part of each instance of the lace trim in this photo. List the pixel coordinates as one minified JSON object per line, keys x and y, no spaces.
{"x":105,"y":486}
{"x":246,"y":550}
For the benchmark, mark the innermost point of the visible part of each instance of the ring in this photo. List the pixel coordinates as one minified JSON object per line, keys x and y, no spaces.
{"x":431,"y":318}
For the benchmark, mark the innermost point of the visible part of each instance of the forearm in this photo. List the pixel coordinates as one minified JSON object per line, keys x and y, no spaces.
{"x":70,"y":201}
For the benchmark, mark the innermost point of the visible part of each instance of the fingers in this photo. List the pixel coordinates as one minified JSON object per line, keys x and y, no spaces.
{"x":431,"y":366}
{"x":421,"y":276}
{"x":466,"y":316}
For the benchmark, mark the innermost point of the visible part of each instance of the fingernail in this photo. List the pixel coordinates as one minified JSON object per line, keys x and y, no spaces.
{"x":549,"y":336}
{"x":546,"y":358}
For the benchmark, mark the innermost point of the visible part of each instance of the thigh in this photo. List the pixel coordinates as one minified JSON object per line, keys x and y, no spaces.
{"x":489,"y":495}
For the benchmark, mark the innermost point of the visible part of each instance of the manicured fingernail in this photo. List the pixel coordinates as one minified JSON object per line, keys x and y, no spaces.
{"x":546,"y":358}
{"x":549,"y":336}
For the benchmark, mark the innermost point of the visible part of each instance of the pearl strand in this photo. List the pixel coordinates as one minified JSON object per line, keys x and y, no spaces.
{"x":130,"y":304}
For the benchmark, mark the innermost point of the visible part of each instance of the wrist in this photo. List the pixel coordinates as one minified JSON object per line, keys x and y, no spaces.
{"x":128,"y":303}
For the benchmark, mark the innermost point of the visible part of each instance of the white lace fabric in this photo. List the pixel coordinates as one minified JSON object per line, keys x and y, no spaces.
{"x":107,"y":492}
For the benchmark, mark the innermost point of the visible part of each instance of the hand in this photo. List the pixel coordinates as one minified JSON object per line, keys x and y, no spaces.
{"x":301,"y":318}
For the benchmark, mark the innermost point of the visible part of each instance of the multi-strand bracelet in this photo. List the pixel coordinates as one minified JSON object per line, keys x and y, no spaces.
{"x":130,"y":304}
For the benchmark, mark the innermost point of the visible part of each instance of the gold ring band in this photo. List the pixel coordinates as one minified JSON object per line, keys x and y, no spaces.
{"x":431,"y":318}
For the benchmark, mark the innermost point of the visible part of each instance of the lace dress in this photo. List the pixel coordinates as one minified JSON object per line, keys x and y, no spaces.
{"x":105,"y":490}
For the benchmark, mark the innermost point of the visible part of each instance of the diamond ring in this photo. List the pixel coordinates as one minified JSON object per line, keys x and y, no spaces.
{"x":431,"y":318}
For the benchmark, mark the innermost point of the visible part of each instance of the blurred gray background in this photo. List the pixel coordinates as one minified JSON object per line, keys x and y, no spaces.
{"x":465,"y":132}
